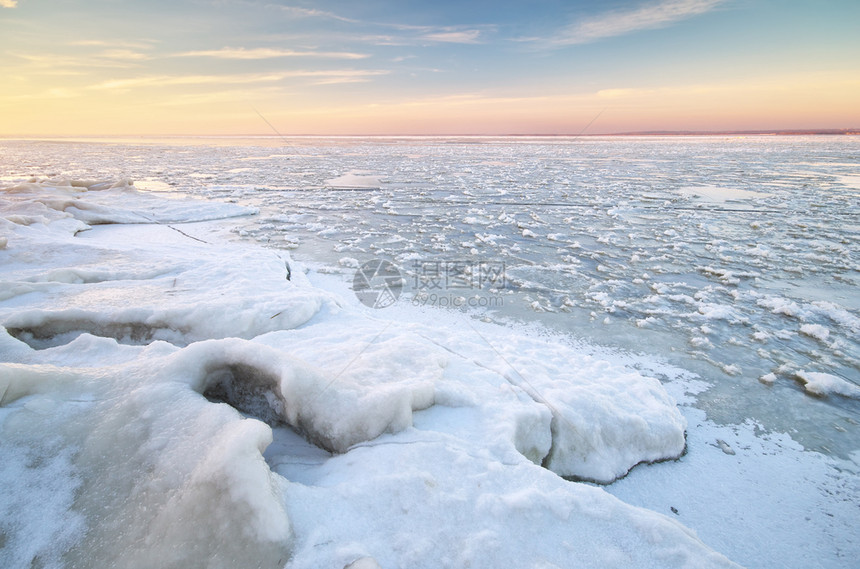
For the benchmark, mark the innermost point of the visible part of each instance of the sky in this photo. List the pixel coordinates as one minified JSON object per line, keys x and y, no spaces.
{"x":368,"y":67}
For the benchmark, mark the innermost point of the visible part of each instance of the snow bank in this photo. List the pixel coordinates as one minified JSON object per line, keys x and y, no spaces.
{"x":605,"y":419}
{"x":159,"y":475}
{"x":427,"y":500}
{"x":146,"y":369}
{"x":578,"y":416}
{"x":147,"y":279}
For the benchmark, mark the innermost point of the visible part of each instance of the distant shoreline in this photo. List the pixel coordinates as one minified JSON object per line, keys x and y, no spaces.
{"x":678,"y":133}
{"x":786,"y":132}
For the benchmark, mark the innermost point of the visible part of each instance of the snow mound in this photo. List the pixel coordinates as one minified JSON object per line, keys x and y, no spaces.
{"x":160,"y":475}
{"x":334,"y":412}
{"x":605,"y":419}
{"x":579,"y":416}
{"x":816,"y":331}
{"x":823,"y":384}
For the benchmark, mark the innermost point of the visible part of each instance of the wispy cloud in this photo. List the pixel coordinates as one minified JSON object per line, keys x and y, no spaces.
{"x":89,"y":43}
{"x":453,"y":36}
{"x":411,"y":34}
{"x":168,"y":80}
{"x":407,"y":35}
{"x":124,"y":55}
{"x":441,"y":34}
{"x":335,"y":77}
{"x":323,"y":77}
{"x":343,"y":80}
{"x":8,"y":3}
{"x":313,"y":13}
{"x":52,"y":62}
{"x":620,"y":22}
{"x":139,"y":44}
{"x":268,"y":53}
{"x":113,"y":55}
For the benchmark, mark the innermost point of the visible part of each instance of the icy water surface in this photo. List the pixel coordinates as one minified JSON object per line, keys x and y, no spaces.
{"x":736,"y":258}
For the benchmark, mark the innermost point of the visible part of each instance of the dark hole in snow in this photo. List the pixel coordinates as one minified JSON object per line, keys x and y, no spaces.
{"x":256,"y":393}
{"x":252,"y":391}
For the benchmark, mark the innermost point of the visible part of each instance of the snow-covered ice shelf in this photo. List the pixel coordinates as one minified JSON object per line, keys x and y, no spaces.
{"x":147,"y":366}
{"x":157,"y":367}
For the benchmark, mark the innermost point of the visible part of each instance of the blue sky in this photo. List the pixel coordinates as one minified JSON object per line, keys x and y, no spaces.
{"x":382,"y":66}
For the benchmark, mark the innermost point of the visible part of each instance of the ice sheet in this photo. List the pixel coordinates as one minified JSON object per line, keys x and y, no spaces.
{"x":144,"y":370}
{"x":600,"y":238}
{"x":754,"y":294}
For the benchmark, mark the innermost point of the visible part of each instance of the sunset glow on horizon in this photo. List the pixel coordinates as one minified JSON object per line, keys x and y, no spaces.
{"x":202,"y":67}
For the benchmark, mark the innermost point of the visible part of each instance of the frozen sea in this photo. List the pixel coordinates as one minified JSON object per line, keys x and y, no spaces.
{"x":737,"y":258}
{"x":576,"y":269}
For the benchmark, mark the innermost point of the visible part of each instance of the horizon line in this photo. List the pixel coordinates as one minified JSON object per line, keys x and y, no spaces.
{"x":750,"y":132}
